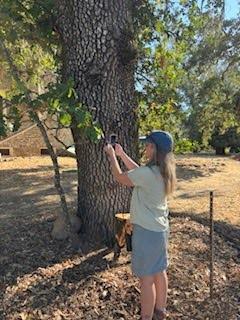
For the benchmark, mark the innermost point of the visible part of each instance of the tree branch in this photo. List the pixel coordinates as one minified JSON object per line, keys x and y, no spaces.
{"x":60,"y":141}
{"x":34,"y":115}
{"x":231,"y":63}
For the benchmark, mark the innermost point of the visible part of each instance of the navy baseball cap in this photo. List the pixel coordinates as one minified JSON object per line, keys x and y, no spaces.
{"x":162,"y":139}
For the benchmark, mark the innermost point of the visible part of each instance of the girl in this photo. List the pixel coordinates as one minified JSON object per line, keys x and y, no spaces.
{"x":149,"y":214}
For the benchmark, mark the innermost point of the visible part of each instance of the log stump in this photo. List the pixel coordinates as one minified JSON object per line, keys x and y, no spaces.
{"x":123,"y":233}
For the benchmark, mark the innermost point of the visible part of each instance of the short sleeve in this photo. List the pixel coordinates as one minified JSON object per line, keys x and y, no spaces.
{"x":139,"y":176}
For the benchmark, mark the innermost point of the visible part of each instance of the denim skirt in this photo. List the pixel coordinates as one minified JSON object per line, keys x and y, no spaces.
{"x":149,"y":251}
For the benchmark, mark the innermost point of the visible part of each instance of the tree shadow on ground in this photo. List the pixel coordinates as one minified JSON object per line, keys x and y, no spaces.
{"x":224,"y":306}
{"x":33,"y":178}
{"x":62,"y":284}
{"x":82,"y":271}
{"x":26,"y":221}
{"x":26,"y":216}
{"x":226,"y":230}
{"x":192,"y":195}
{"x":77,"y":287}
{"x":193,"y":170}
{"x":186,"y":173}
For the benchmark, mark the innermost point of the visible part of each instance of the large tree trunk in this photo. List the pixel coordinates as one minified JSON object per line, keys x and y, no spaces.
{"x":98,"y":53}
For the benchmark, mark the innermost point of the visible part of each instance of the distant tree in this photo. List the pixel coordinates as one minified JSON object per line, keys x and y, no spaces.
{"x":212,"y":83}
{"x":229,"y":139}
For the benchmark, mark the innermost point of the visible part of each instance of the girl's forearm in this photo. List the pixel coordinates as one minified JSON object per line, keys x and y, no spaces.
{"x":129,"y":163}
{"x":120,"y":176}
{"x":115,"y":168}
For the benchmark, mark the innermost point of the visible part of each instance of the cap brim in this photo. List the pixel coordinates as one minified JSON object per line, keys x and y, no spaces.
{"x":143,"y":139}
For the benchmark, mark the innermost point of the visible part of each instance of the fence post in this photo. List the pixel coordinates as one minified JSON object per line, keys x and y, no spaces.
{"x":211,"y":265}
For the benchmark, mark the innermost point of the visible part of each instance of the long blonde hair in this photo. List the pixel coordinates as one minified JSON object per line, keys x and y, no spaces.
{"x":167,"y":167}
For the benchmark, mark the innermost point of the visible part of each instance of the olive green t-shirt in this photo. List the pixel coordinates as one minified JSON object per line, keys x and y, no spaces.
{"x":149,"y":207}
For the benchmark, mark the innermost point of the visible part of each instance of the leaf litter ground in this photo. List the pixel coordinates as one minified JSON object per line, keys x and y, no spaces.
{"x":45,"y":279}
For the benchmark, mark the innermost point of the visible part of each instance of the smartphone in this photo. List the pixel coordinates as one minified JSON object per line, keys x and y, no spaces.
{"x":113,"y":139}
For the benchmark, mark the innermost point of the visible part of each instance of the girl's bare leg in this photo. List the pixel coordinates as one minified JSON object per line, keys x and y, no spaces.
{"x":161,"y":287}
{"x":148,"y":296}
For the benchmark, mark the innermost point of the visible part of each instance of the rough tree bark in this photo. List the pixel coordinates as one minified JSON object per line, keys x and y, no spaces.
{"x":98,"y":52}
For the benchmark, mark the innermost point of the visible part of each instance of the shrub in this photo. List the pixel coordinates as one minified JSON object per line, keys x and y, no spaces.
{"x":186,"y":145}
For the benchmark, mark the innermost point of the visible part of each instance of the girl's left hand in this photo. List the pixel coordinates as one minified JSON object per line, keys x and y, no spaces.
{"x":109,"y":150}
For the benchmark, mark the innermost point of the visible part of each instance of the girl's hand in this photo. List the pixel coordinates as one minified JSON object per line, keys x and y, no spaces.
{"x":109,"y":150}
{"x":118,"y":150}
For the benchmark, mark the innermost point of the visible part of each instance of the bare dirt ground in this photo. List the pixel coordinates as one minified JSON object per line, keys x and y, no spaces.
{"x":45,"y":279}
{"x":198,"y":175}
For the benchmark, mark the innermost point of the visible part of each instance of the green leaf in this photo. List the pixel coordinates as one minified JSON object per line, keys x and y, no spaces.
{"x":99,"y":132}
{"x":159,"y":26}
{"x":65,"y":119}
{"x":93,"y":134}
{"x":72,"y":93}
{"x":55,"y":103}
{"x":83,"y":118}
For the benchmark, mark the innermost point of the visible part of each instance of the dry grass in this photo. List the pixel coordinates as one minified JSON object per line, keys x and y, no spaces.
{"x":197,"y":175}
